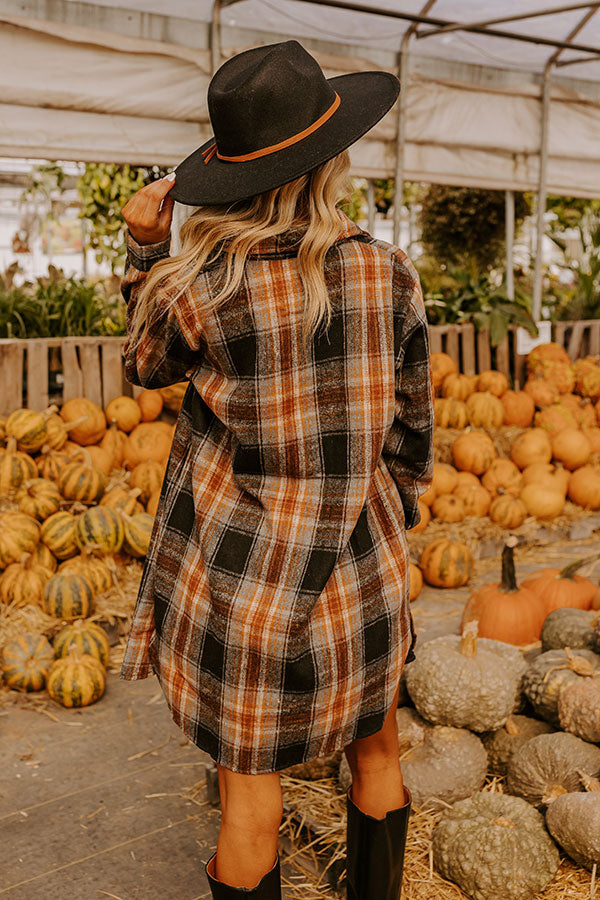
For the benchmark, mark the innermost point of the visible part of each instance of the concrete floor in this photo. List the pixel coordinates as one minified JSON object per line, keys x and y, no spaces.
{"x":100,"y":802}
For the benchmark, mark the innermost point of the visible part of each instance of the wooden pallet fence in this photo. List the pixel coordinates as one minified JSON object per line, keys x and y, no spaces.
{"x":37,"y":372}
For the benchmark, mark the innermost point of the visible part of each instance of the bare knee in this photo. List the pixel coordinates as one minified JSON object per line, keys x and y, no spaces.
{"x":251,"y":801}
{"x":377,"y":751}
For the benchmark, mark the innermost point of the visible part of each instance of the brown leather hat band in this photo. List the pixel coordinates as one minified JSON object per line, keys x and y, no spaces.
{"x":210,"y":151}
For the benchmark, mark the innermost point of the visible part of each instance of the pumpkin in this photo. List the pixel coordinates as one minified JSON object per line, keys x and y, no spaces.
{"x":19,"y":534}
{"x":150,"y":404}
{"x":584,"y":487}
{"x":57,"y":431}
{"x":138,"y":531}
{"x":99,"y":459}
{"x":58,"y":534}
{"x":148,"y":440}
{"x":115,"y":443}
{"x":571,"y":447}
{"x":572,"y":628}
{"x":425,"y":514}
{"x":26,"y":662}
{"x":450,"y":413}
{"x":92,"y":428}
{"x":519,"y":408}
{"x":532,"y":446}
{"x":124,"y":412}
{"x":502,"y":476}
{"x":473,"y":452}
{"x":573,"y":820}
{"x":476,"y":500}
{"x":100,"y":528}
{"x":546,"y":767}
{"x":554,"y":419}
{"x":560,"y":376}
{"x":148,"y":477}
{"x":446,"y":563}
{"x":593,"y":436}
{"x":543,"y":354}
{"x":447,"y":765}
{"x":415,"y":581}
{"x":541,"y":393}
{"x":2,"y":430}
{"x":39,"y":498}
{"x":458,"y":386}
{"x":23,"y":582}
{"x":552,"y":671}
{"x":51,"y":463}
{"x":152,"y":509}
{"x":495,"y":847}
{"x":428,"y":496}
{"x":492,"y":382}
{"x":561,"y":588}
{"x":123,"y":501}
{"x":501,"y":744}
{"x":77,"y":679}
{"x":68,"y":595}
{"x":441,"y":365}
{"x":94,"y":570}
{"x":542,"y":502}
{"x":466,"y":479}
{"x":587,"y":379}
{"x":508,"y":511}
{"x":28,"y":428}
{"x":464,"y":681}
{"x":15,"y":467}
{"x":485,"y":410}
{"x":81,"y":481}
{"x":554,"y":478}
{"x":42,"y":556}
{"x":448,"y":508}
{"x":173,"y":395}
{"x":444,"y":478}
{"x":583,"y":411}
{"x":85,"y":637}
{"x":506,"y":612}
{"x":579,"y":709}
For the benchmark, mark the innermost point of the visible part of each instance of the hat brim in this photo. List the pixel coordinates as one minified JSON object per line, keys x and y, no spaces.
{"x":365,"y":98}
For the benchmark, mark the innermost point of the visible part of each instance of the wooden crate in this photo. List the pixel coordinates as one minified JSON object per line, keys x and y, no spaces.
{"x":89,"y":367}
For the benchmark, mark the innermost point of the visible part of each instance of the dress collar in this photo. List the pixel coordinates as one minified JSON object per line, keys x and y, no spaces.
{"x":287,"y":241}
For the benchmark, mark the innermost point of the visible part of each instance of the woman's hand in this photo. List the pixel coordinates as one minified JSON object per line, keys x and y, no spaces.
{"x":147,"y":222}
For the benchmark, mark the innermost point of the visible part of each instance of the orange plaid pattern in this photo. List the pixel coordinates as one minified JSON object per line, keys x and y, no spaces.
{"x":274,"y":602}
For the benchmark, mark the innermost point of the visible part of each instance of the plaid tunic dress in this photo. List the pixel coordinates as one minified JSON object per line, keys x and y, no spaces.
{"x":273,"y":606}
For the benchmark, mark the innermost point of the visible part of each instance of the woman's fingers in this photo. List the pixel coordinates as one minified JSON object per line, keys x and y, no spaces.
{"x":147,"y":222}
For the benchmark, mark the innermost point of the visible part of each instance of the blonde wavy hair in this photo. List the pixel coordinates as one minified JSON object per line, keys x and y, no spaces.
{"x":230,"y":231}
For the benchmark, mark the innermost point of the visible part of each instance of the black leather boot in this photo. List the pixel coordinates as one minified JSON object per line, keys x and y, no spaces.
{"x":375,"y":852}
{"x":268,"y":888}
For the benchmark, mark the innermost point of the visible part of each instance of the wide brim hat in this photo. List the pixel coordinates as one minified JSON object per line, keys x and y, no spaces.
{"x":275,"y":116}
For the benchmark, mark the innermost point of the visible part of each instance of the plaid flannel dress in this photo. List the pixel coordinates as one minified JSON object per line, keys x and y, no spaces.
{"x":273,"y":606}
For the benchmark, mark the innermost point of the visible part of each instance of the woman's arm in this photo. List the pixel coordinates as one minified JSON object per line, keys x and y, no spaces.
{"x":162,"y":356}
{"x":408,"y":448}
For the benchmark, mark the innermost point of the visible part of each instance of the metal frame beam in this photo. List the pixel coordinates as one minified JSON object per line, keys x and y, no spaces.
{"x":512,"y":18}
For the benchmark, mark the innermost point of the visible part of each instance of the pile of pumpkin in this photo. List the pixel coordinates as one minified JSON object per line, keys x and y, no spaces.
{"x":557,"y":456}
{"x":79,"y":489}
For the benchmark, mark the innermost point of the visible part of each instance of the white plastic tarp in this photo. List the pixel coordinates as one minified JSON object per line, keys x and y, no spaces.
{"x":70,"y":92}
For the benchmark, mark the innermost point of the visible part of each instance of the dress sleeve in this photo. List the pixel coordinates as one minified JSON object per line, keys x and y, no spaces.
{"x":408,"y":448}
{"x":162,"y":355}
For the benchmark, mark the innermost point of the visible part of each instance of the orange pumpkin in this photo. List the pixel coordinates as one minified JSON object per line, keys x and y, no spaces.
{"x":444,"y":478}
{"x":466,"y":479}
{"x":492,"y":382}
{"x":555,"y":478}
{"x":532,"y":446}
{"x":115,"y":443}
{"x":450,"y":413}
{"x":123,"y":501}
{"x":474,"y":452}
{"x":448,"y":508}
{"x":506,"y":612}
{"x":152,"y":506}
{"x":124,"y":412}
{"x":571,"y":447}
{"x":485,"y":410}
{"x":519,"y":408}
{"x":554,"y":418}
{"x":428,"y":496}
{"x":148,"y":440}
{"x":587,"y":378}
{"x":447,"y":564}
{"x":92,"y":429}
{"x":593,"y":436}
{"x":416,"y":529}
{"x":100,"y":459}
{"x":543,"y":354}
{"x":173,"y":395}
{"x":441,"y":365}
{"x":563,"y":588}
{"x":584,"y":487}
{"x":541,"y":393}
{"x":543,"y":502}
{"x":583,"y":410}
{"x":476,"y":499}
{"x":508,"y":511}
{"x":458,"y":386}
{"x":502,"y":477}
{"x":415,"y":581}
{"x":150,"y":404}
{"x":148,"y":478}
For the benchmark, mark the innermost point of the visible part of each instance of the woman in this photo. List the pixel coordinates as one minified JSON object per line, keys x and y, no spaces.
{"x":274,"y":600}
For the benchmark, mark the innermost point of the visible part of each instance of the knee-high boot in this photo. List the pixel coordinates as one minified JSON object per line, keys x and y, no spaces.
{"x":375,"y":852}
{"x":268,"y":888}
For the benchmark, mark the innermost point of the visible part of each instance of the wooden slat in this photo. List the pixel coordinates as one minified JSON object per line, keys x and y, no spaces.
{"x":11,"y":376}
{"x":484,"y":351}
{"x":112,"y":370}
{"x":595,"y":339}
{"x":452,"y":348}
{"x":435,"y":339}
{"x":72,"y":376}
{"x":468,"y":349}
{"x":575,"y":340}
{"x":89,"y":355}
{"x":37,"y":375}
{"x":502,"y":358}
{"x":559,"y":332}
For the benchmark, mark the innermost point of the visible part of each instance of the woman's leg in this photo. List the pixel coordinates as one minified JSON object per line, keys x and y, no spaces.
{"x":251,"y":814}
{"x":377,"y":785}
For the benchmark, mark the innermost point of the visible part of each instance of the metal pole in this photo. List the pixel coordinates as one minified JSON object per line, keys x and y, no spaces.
{"x":510,"y":236}
{"x":215,"y":36}
{"x":532,"y":14}
{"x":371,"y":206}
{"x":542,"y":195}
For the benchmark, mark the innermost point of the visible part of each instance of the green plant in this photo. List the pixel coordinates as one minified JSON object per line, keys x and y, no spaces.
{"x":583,"y":301}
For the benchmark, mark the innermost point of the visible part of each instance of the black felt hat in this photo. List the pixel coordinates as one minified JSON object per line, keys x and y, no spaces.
{"x":275,"y":116}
